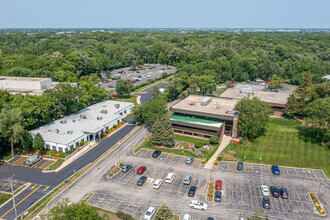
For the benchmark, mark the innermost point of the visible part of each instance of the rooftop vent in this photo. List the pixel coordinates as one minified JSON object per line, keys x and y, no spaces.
{"x":117,"y":105}
{"x":69,"y":132}
{"x":83,"y":116}
{"x":104,"y":111}
{"x":64,"y":121}
{"x":192,"y":104}
{"x":73,"y":121}
{"x":56,"y":131}
{"x":206,"y":101}
{"x":99,"y":118}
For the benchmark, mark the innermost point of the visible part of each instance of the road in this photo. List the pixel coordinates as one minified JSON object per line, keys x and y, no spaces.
{"x":241,"y":190}
{"x":43,"y":180}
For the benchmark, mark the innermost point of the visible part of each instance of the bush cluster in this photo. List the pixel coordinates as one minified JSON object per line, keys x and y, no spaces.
{"x":214,"y":140}
{"x":124,"y":216}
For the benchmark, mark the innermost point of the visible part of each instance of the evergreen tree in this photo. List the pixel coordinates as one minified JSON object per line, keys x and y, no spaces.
{"x":276,"y":82}
{"x":27,"y":140}
{"x":168,"y":134}
{"x":157,"y":133}
{"x":38,"y":142}
{"x":164,"y":213}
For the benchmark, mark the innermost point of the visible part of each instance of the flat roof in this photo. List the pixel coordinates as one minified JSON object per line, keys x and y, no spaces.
{"x":57,"y":132}
{"x":268,"y":97}
{"x":23,"y":78}
{"x":217,"y":107}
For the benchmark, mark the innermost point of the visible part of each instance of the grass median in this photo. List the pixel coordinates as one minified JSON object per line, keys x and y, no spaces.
{"x":285,"y":144}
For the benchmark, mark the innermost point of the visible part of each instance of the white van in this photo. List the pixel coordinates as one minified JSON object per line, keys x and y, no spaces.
{"x":170,"y":177}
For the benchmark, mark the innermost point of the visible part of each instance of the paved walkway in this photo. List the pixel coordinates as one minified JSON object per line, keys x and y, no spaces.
{"x":224,"y":143}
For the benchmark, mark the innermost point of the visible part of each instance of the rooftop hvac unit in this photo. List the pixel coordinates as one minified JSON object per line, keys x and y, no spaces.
{"x":73,"y":120}
{"x":83,"y":116}
{"x":104,"y":111}
{"x":69,"y":132}
{"x":56,"y":131}
{"x":117,"y":105}
{"x":99,"y":118}
{"x":206,"y":101}
{"x":64,"y":121}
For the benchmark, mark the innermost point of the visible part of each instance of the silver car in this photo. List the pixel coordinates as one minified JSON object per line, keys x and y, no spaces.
{"x":189,"y":160}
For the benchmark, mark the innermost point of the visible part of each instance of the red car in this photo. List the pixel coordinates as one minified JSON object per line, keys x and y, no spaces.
{"x":218,"y":184}
{"x":141,"y":170}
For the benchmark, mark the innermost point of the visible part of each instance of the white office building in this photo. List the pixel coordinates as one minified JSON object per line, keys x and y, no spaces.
{"x":86,"y":125}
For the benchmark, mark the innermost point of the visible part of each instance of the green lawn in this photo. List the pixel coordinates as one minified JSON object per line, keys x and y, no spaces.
{"x":132,"y":99}
{"x":284,"y":144}
{"x":4,"y":198}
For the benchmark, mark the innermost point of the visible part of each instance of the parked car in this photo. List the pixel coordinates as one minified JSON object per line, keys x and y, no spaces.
{"x":266,"y":202}
{"x":170,"y":177}
{"x":142,"y":180}
{"x":156,"y":153}
{"x":189,"y":160}
{"x":158,"y":183}
{"x":276,"y":170}
{"x":240,"y":166}
{"x":111,"y":86}
{"x":274,"y":191}
{"x":149,"y":213}
{"x":186,"y":217}
{"x":218,"y":184}
{"x":187,"y":179}
{"x":162,"y":68}
{"x":169,"y":68}
{"x":192,"y":191}
{"x":217,"y":196}
{"x":264,"y":190}
{"x":141,"y":170}
{"x":210,"y":218}
{"x":33,"y":159}
{"x":197,"y":205}
{"x":284,"y":193}
{"x":126,"y":168}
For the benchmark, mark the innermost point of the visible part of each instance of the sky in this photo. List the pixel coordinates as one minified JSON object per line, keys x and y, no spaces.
{"x":164,"y":14}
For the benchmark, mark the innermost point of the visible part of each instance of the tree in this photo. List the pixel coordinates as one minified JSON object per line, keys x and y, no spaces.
{"x":318,"y":114}
{"x":168,"y":135}
{"x":11,"y":127}
{"x":164,"y":213}
{"x":150,"y":111}
{"x":173,"y":88}
{"x":156,"y":93}
{"x":276,"y":82}
{"x":65,"y":210}
{"x":206,"y":84}
{"x":27,"y":140}
{"x":157,"y":132}
{"x":124,"y":87}
{"x":38,"y":142}
{"x":253,"y":117}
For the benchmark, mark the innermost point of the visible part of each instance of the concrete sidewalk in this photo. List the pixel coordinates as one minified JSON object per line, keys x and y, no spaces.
{"x":224,"y":143}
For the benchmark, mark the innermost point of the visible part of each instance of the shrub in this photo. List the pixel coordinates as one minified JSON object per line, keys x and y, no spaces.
{"x":106,"y":131}
{"x":81,"y":143}
{"x":124,"y":216}
{"x":241,"y":141}
{"x":214,"y":140}
{"x":216,"y":163}
{"x":114,"y":126}
{"x":199,"y":145}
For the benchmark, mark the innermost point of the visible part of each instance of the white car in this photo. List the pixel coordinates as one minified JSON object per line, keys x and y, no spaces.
{"x":170,"y":177}
{"x":149,"y":213}
{"x":186,"y":217}
{"x":197,"y":205}
{"x":264,"y":190}
{"x":158,"y":183}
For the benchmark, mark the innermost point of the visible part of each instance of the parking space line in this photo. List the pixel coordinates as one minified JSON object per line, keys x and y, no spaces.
{"x":48,"y":163}
{"x":5,"y":184}
{"x":35,"y":165}
{"x":124,"y":211}
{"x":19,"y":161}
{"x":101,"y":199}
{"x":108,"y":203}
{"x":251,"y":195}
{"x":232,"y":195}
{"x":10,"y":187}
{"x":300,"y":202}
{"x":46,"y":188}
{"x":136,"y":209}
{"x":115,"y":209}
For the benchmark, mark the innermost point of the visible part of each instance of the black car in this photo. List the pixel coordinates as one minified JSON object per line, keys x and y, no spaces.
{"x":284,"y":193}
{"x":240,"y":166}
{"x":274,"y":191}
{"x":142,"y":180}
{"x":266,"y":202}
{"x":156,"y":153}
{"x":192,"y":191}
{"x":217,"y":196}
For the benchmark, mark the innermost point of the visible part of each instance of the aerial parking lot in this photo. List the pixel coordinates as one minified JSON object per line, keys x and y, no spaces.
{"x":136,"y":76}
{"x":240,"y":190}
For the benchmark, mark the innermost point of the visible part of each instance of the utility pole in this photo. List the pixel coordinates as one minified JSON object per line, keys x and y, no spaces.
{"x":12,"y":192}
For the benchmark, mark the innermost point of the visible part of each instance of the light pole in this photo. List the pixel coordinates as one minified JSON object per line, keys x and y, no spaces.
{"x":12,"y":192}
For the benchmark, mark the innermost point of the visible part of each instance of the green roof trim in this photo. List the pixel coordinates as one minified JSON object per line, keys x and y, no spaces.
{"x":189,"y":118}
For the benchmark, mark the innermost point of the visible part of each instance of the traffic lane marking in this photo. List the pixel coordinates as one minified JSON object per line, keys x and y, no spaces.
{"x":20,"y":202}
{"x":48,"y":163}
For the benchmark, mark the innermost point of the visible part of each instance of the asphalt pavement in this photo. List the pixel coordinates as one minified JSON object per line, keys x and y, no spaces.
{"x":52,"y":179}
